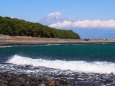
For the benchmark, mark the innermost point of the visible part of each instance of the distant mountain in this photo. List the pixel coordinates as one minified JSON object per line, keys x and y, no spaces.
{"x":52,"y":18}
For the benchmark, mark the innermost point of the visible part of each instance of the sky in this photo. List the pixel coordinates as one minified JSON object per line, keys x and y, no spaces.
{"x":88,"y":12}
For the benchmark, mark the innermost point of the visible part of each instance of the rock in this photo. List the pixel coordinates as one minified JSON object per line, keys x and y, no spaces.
{"x":51,"y":82}
{"x":80,"y":79}
{"x":41,"y":85}
{"x":15,"y":84}
{"x":113,"y":83}
{"x":62,"y":82}
{"x":3,"y":85}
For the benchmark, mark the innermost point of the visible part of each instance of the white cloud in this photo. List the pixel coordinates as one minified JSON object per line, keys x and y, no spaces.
{"x":62,"y":24}
{"x":86,"y":24}
{"x":55,"y":14}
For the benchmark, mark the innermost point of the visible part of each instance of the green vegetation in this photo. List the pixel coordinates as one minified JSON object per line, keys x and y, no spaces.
{"x":16,"y":27}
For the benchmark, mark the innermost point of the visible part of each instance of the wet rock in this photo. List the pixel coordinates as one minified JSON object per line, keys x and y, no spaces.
{"x":3,"y":85}
{"x":62,"y":82}
{"x":51,"y":82}
{"x":113,"y":83}
{"x":15,"y":84}
{"x":41,"y":85}
{"x":53,"y":79}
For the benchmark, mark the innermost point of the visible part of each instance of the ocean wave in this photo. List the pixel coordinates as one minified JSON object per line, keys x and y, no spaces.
{"x":75,"y":66}
{"x":5,"y":46}
{"x":52,"y":44}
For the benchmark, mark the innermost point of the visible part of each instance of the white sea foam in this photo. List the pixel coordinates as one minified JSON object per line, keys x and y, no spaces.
{"x":52,"y":44}
{"x":76,"y":66}
{"x":5,"y":46}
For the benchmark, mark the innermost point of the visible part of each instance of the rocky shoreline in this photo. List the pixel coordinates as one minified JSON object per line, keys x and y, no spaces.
{"x":15,"y":75}
{"x":10,"y":79}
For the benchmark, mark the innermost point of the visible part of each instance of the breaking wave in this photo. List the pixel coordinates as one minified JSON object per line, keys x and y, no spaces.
{"x":5,"y":46}
{"x":75,"y":66}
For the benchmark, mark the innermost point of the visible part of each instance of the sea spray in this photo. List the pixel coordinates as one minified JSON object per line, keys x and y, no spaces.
{"x":75,"y":66}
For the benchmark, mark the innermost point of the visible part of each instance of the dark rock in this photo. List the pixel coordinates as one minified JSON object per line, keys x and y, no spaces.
{"x":15,"y":84}
{"x":41,"y":85}
{"x":3,"y":85}
{"x":77,"y":79}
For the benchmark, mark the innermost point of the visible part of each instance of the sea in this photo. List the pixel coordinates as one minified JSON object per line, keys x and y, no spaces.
{"x":58,"y":59}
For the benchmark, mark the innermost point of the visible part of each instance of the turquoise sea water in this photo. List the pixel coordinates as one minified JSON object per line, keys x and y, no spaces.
{"x":86,"y":52}
{"x":97,"y":58}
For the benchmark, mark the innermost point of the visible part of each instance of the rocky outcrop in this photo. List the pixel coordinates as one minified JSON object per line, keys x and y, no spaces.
{"x":9,"y":79}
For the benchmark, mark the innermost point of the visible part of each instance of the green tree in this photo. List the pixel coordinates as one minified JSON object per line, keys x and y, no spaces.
{"x":17,"y":27}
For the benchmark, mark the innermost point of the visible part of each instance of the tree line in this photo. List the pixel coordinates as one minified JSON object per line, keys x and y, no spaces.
{"x":18,"y":27}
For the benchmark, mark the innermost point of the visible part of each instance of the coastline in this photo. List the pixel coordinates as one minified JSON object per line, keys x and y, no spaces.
{"x":23,"y":40}
{"x":23,"y":75}
{"x":61,"y":78}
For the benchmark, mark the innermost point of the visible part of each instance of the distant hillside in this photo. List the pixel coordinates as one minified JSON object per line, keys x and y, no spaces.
{"x":17,"y":27}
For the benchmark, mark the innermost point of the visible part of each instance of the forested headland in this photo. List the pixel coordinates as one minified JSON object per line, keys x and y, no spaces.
{"x":18,"y":27}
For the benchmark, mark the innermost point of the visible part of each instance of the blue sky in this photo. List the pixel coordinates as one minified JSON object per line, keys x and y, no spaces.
{"x":34,"y":10}
{"x":94,"y":13}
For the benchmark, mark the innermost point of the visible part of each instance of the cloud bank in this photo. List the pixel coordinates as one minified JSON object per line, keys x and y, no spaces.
{"x":85,"y":24}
